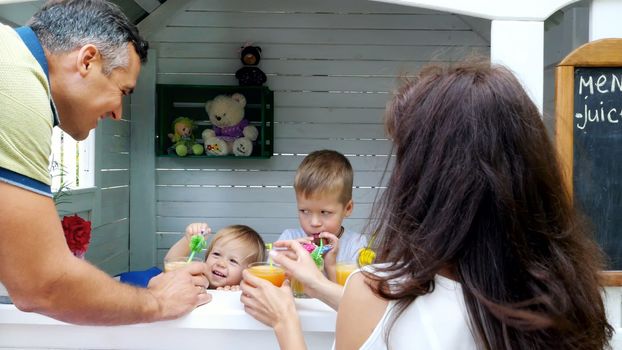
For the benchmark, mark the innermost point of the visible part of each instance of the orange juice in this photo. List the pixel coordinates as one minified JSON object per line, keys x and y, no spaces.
{"x":344,"y":270}
{"x":298,"y":289}
{"x":272,"y":273}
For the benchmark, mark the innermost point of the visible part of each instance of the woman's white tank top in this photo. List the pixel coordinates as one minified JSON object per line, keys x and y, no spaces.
{"x":435,"y":321}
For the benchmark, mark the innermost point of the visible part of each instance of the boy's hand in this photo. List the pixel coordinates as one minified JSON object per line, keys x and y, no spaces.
{"x":197,"y":228}
{"x":330,"y":259}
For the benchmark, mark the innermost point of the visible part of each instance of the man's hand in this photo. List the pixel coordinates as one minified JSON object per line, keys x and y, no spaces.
{"x":179,"y":292}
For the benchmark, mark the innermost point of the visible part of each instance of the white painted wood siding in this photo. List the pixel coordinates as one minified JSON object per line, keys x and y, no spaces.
{"x":109,"y":249}
{"x":331,"y":64}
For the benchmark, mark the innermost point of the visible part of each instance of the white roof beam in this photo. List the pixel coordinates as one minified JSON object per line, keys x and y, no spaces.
{"x":158,"y":18}
{"x":479,"y":26}
{"x":523,"y":10}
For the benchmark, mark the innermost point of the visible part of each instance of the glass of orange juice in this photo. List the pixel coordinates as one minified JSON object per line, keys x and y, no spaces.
{"x":174,"y":263}
{"x":298,"y":289}
{"x":344,"y":269}
{"x":271,"y":272}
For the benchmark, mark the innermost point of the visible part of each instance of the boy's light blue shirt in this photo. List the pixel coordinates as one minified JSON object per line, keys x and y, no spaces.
{"x":349,"y":243}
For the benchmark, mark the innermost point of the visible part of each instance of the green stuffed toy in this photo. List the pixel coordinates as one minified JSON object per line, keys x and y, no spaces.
{"x":183,"y":139}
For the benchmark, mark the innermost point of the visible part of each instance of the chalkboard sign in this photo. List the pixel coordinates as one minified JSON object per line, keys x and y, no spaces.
{"x":597,"y":165}
{"x":588,"y":109}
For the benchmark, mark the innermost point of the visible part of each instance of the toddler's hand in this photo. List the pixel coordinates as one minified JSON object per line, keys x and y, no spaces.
{"x":197,"y":228}
{"x":230,"y":288}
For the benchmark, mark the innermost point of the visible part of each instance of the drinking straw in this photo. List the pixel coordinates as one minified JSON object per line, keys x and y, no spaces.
{"x":269,"y":247}
{"x":197,"y":242}
{"x":316,"y":255}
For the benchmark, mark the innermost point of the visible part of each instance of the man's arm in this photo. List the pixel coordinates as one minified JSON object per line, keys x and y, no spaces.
{"x":43,"y":276}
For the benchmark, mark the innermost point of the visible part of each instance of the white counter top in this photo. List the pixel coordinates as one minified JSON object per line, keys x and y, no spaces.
{"x":221,"y":324}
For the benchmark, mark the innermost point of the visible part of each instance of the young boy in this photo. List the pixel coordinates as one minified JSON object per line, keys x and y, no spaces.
{"x":323,"y":186}
{"x":232,"y":249}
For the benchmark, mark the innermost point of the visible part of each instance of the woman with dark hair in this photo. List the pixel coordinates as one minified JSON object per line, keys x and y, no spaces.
{"x":478,"y":245}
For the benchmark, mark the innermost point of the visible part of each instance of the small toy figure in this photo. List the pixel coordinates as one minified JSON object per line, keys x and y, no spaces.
{"x":182,"y":138}
{"x":250,"y":74}
{"x":231,"y":132}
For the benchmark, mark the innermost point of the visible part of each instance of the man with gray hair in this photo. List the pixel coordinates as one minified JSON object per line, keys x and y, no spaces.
{"x":70,"y":66}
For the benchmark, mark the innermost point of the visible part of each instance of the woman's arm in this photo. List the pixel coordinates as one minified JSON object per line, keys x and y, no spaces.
{"x":330,"y":293}
{"x":298,"y":263}
{"x":359,"y":312}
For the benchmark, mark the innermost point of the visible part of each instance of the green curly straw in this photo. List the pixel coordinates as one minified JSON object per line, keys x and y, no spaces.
{"x":197,"y":242}
{"x":316,"y":255}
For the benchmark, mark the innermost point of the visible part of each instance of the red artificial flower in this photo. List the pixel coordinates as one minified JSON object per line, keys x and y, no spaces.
{"x":77,"y":233}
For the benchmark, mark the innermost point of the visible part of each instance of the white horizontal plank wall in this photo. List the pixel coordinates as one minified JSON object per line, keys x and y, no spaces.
{"x":109,"y":249}
{"x":332,"y":66}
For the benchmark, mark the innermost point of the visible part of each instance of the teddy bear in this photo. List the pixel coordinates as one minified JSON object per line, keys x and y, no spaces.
{"x":231,"y":133}
{"x":182,"y":138}
{"x":250,"y":74}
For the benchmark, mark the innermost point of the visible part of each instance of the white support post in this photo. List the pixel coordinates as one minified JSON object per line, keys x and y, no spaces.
{"x":519,"y":45}
{"x":605,"y":23}
{"x":142,"y":169}
{"x":605,"y":19}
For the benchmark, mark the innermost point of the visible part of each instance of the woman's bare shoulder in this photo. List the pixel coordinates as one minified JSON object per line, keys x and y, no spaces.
{"x":359,"y":312}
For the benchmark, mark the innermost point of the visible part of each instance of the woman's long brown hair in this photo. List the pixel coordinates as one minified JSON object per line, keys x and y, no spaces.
{"x":476,"y":190}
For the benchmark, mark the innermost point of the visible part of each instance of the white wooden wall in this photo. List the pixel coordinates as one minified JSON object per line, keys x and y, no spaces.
{"x":332,"y":65}
{"x":107,"y":203}
{"x":109,"y":248}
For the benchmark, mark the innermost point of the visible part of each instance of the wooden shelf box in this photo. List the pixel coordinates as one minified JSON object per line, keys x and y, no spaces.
{"x":189,"y":101}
